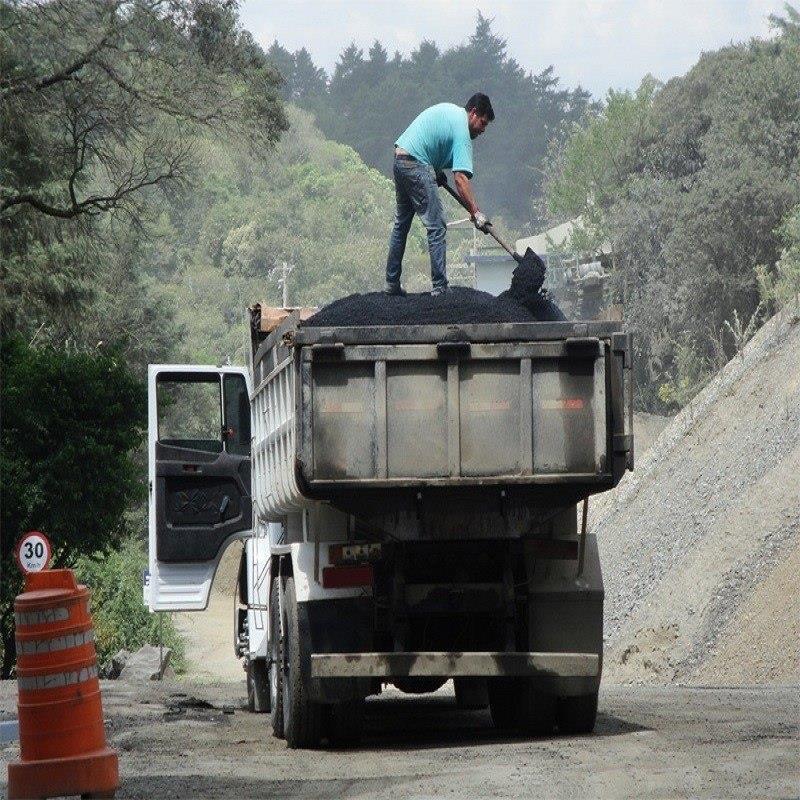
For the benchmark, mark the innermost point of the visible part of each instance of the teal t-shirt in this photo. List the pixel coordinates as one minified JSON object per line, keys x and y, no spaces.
{"x":439,"y":137}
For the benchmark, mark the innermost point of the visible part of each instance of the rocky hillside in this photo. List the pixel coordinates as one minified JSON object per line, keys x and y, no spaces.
{"x":701,"y":544}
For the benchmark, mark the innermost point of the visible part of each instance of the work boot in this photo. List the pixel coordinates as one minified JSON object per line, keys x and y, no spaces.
{"x":395,"y":289}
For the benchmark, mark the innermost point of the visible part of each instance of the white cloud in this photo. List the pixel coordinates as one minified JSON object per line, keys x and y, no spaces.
{"x":597,"y":43}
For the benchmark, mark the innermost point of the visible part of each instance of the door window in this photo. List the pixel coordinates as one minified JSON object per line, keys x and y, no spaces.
{"x":237,"y":415}
{"x":190,"y":411}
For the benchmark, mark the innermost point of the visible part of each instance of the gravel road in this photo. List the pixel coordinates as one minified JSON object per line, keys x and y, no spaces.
{"x":650,"y":742}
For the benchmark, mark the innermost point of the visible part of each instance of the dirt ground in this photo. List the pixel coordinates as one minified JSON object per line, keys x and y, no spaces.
{"x":650,"y":742}
{"x":208,"y":635}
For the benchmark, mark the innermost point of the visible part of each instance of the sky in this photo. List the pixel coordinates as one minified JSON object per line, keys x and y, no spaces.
{"x":599,"y":44}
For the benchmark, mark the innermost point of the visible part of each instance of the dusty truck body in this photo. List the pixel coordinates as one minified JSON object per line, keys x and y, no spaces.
{"x":409,"y":502}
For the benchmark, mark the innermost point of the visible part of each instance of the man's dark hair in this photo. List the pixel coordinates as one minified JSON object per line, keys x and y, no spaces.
{"x":481,"y":103}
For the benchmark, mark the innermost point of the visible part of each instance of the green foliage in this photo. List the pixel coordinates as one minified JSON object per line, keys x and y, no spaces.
{"x":91,"y":124}
{"x":781,"y":286}
{"x":121,"y":620}
{"x":692,"y":373}
{"x":371,"y":99}
{"x":314,"y":205}
{"x":587,"y":174}
{"x":688,"y":183}
{"x":70,"y":423}
{"x":99,"y":133}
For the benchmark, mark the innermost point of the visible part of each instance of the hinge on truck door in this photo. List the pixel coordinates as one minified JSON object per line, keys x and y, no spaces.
{"x":621,"y":343}
{"x":622,"y":442}
{"x":582,"y":346}
{"x":453,"y":349}
{"x":327,"y":350}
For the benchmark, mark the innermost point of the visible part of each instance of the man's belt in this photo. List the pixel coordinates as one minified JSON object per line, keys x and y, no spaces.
{"x":405,"y":157}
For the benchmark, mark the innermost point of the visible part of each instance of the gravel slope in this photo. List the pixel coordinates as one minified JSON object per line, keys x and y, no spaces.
{"x":696,"y":543}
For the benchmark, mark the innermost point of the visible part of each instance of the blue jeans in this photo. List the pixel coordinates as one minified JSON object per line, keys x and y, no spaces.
{"x":416,"y":192}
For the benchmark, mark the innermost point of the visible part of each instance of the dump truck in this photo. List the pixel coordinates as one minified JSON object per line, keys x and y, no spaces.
{"x":412,"y":502}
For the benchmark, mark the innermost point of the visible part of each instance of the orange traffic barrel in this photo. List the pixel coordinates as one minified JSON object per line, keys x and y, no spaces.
{"x":62,"y":740}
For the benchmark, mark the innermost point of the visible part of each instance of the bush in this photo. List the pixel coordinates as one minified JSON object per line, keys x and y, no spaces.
{"x":121,"y":619}
{"x":692,"y":372}
{"x":71,"y":424}
{"x":781,"y":285}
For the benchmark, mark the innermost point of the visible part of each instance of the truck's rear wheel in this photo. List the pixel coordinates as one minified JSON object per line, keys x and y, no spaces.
{"x":536,"y":710}
{"x":275,"y":656}
{"x":471,"y":693}
{"x":258,"y":695}
{"x":345,"y":723}
{"x":577,"y":715}
{"x":504,"y":702}
{"x":302,"y":717}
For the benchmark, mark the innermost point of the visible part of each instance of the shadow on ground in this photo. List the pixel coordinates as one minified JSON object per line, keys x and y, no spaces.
{"x":431,"y":722}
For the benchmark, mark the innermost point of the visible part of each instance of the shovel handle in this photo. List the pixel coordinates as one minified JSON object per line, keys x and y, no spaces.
{"x":454,"y":194}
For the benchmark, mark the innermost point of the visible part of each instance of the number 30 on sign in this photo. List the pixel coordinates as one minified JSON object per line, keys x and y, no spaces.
{"x":33,"y":552}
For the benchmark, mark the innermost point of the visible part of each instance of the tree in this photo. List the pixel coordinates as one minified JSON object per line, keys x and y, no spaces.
{"x":689,"y":182}
{"x":780,"y":286}
{"x":370,"y":101}
{"x":98,"y":134}
{"x":90,"y":124}
{"x":70,"y":424}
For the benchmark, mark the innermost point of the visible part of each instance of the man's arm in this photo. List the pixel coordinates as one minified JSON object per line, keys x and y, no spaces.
{"x":464,"y":189}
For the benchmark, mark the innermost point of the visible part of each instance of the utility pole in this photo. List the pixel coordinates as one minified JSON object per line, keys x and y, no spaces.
{"x":286,"y":268}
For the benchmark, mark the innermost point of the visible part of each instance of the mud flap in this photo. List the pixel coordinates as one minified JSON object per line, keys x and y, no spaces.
{"x":565,"y":614}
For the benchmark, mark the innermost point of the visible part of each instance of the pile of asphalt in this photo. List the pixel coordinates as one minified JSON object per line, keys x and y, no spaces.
{"x":459,"y":306}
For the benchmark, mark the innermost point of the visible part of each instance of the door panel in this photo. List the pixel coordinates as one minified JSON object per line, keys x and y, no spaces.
{"x":199,"y":432}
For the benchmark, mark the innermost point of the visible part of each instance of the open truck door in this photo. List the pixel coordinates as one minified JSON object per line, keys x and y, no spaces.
{"x":199,"y":478}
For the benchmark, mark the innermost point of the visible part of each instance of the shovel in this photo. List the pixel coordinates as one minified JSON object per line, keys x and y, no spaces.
{"x":528,"y":261}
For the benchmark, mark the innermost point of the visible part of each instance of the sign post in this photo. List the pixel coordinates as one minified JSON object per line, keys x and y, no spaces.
{"x":33,"y":552}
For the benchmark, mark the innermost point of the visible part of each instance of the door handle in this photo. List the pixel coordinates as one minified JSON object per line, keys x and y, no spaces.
{"x":223,"y":506}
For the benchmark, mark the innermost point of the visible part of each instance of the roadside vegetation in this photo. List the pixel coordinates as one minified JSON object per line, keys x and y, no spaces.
{"x":695,"y":185}
{"x":121,"y":620}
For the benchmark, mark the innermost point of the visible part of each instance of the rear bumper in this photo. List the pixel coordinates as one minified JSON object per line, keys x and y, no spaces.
{"x":427,"y":664}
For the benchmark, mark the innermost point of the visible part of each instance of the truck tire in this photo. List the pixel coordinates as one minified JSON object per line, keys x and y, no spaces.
{"x":345,"y":723}
{"x":504,"y":702}
{"x":275,"y":656}
{"x":577,"y":715}
{"x":536,"y":710}
{"x":302,"y":717}
{"x":471,"y":693}
{"x":258,"y":700}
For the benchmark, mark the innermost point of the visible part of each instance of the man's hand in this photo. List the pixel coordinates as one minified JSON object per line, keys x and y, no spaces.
{"x":441,"y":178}
{"x":481,"y":221}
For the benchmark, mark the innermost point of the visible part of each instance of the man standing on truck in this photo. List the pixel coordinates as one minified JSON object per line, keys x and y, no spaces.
{"x":439,"y":138}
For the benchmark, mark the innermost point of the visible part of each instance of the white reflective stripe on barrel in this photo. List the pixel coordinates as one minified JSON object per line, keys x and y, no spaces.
{"x":34,"y":647}
{"x":57,"y":679}
{"x":42,"y":617}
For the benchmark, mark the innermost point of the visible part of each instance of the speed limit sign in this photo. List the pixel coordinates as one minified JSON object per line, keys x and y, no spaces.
{"x":33,"y":552}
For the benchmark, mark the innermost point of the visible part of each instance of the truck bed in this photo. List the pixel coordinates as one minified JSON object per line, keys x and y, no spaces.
{"x":343,"y":410}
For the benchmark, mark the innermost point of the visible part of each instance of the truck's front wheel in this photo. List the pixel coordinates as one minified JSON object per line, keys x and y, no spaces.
{"x":302,"y":718}
{"x":503,"y":702}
